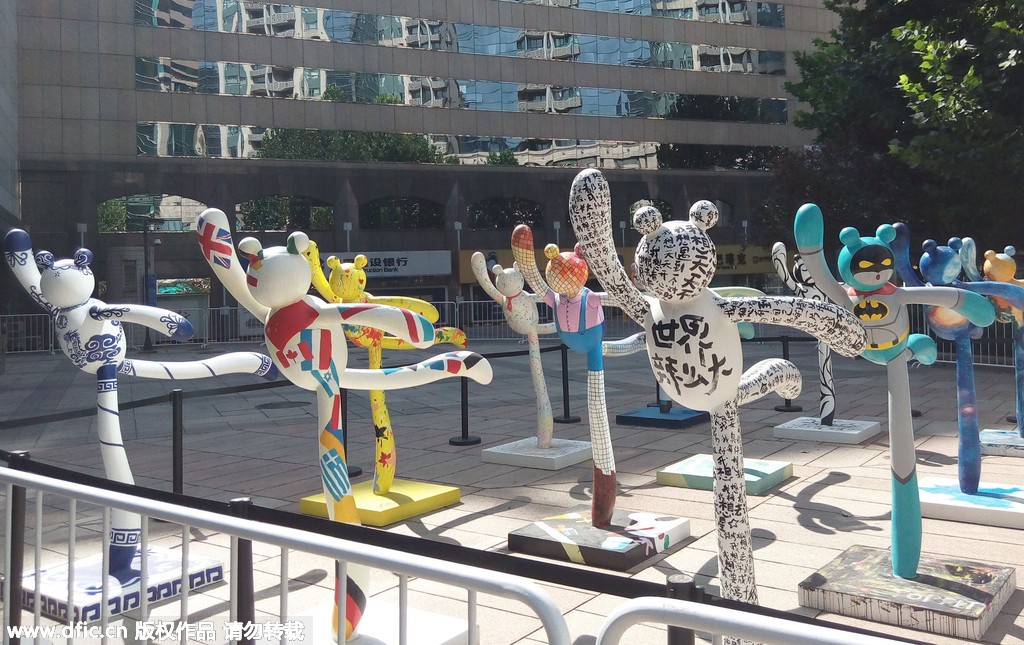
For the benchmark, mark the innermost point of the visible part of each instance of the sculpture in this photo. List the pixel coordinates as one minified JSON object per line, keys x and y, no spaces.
{"x":693,"y":341}
{"x":347,"y":283}
{"x":305,"y":340}
{"x":90,"y":334}
{"x":800,"y":283}
{"x":866,"y":264}
{"x":520,"y":309}
{"x":941,"y":266}
{"x":579,"y":322}
{"x":1002,"y":267}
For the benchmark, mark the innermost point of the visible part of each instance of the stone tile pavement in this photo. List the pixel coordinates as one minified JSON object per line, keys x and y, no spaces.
{"x":262,"y":444}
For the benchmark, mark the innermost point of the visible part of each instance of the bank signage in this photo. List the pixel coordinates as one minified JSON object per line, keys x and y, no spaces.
{"x":399,"y":264}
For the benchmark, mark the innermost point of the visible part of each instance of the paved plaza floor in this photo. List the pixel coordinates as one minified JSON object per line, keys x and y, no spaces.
{"x":262,"y":444}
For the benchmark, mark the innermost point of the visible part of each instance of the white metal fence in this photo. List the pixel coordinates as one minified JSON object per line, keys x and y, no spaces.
{"x":480,"y":319}
{"x":73,"y":501}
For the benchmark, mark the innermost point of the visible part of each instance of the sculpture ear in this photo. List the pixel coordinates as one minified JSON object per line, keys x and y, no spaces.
{"x":44,"y":260}
{"x":1010,"y":250}
{"x":83,"y":258}
{"x":578,"y":249}
{"x":551,"y":251}
{"x":298,"y":242}
{"x":250,"y":246}
{"x":360,"y":261}
{"x":704,"y":214}
{"x":849,"y":236}
{"x":646,"y":220}
{"x":886,"y":233}
{"x":928,"y":246}
{"x":333,"y":262}
{"x":496,"y":269}
{"x":955,"y":243}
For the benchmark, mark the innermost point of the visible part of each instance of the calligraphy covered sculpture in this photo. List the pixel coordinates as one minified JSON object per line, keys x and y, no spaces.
{"x":866,"y":264}
{"x":91,"y":335}
{"x":693,"y":341}
{"x":347,"y":284}
{"x":305,"y":339}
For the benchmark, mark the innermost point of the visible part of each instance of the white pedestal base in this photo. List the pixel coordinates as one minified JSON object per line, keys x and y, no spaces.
{"x":562,"y":453}
{"x":993,"y":505}
{"x":1004,"y":443}
{"x":841,"y":431}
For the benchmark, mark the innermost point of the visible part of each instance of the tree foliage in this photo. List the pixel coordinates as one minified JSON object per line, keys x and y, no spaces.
{"x":499,"y":213}
{"x":279,"y":213}
{"x":917,"y":107}
{"x":111,"y":216}
{"x":348,"y":145}
{"x":504,"y":158}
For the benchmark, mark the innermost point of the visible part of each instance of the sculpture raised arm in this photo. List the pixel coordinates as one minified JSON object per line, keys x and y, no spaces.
{"x":590,"y":211}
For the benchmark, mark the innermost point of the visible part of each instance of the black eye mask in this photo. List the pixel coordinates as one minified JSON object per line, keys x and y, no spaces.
{"x":873,"y":257}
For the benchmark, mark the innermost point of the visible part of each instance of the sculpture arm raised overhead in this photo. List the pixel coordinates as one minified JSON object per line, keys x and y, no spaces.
{"x":590,"y":212}
{"x":478,"y":263}
{"x":526,"y":259}
{"x":219,"y":251}
{"x":320,"y":283}
{"x":19,"y":256}
{"x":809,"y":230}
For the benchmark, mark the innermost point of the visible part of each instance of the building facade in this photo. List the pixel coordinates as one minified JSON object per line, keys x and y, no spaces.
{"x":176,"y":101}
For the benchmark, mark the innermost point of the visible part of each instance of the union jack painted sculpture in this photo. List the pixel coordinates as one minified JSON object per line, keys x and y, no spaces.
{"x":306,"y":340}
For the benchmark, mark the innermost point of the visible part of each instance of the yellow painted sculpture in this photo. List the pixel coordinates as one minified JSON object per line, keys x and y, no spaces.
{"x":347,"y":284}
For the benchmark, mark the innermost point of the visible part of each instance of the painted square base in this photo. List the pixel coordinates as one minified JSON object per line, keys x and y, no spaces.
{"x":697,"y":472}
{"x":163,"y":569}
{"x":379,"y":626}
{"x":631,"y":538}
{"x":405,"y":499}
{"x":841,"y":431}
{"x":950,"y":596}
{"x":651,"y":417}
{"x":525,"y":453}
{"x":1004,"y":443}
{"x":992,"y":505}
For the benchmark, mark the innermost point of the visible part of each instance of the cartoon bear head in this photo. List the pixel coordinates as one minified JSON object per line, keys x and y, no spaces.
{"x":66,"y":283}
{"x":278,"y":275}
{"x":940,"y":265}
{"x":675,"y":260}
{"x":508,"y":282}
{"x":348,"y":280}
{"x":866,"y":263}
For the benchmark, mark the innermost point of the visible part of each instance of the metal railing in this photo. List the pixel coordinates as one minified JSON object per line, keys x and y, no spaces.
{"x":406,"y":565}
{"x":722,"y":621}
{"x":480,"y":319}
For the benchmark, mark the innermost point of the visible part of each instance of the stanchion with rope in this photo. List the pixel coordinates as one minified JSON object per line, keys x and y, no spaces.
{"x":464,"y":439}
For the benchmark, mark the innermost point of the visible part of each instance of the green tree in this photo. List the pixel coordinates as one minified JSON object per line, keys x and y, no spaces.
{"x":111,"y":216}
{"x":504,"y":158}
{"x":499,"y":213}
{"x":347,"y":145}
{"x":921,"y":104}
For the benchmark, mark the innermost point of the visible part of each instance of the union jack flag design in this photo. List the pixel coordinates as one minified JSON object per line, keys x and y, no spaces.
{"x":216,"y":244}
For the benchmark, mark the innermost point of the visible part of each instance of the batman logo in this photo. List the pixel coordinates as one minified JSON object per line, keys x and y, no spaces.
{"x":871,"y":310}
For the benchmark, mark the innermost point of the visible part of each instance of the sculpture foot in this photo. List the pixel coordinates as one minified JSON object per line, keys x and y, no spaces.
{"x":603,"y":504}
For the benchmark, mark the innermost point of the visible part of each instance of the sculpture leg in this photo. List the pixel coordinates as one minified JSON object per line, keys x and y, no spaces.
{"x":385,"y":456}
{"x":125,"y":527}
{"x":1018,"y":373}
{"x":827,"y":402}
{"x":341,"y":507}
{"x":735,"y":550}
{"x":603,"y":502}
{"x":969,"y":441}
{"x":906,"y":500}
{"x":545,"y":423}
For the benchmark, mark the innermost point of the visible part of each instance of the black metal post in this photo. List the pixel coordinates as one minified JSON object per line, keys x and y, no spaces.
{"x":787,"y":406}
{"x":681,"y":587}
{"x":464,"y":439}
{"x":14,"y":576}
{"x":353,"y":471}
{"x":239,"y":507}
{"x":566,"y":417}
{"x":177,"y":443}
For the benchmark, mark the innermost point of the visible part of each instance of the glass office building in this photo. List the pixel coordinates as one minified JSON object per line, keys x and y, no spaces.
{"x":535,"y":75}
